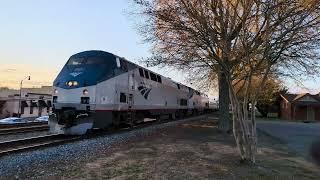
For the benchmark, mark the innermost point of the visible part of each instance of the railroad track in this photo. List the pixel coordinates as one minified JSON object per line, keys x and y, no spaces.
{"x":28,"y":144}
{"x":3,"y":126}
{"x":14,"y":146}
{"x":23,"y":129}
{"x":19,"y":145}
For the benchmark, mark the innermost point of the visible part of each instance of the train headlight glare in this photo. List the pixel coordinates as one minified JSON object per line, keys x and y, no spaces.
{"x":70,"y":83}
{"x":75,"y":83}
{"x":85,"y":92}
{"x":55,"y":91}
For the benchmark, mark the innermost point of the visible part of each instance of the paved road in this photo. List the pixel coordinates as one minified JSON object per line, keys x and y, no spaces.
{"x":298,"y":136}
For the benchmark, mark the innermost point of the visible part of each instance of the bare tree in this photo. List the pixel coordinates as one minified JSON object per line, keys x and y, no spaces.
{"x":239,"y":40}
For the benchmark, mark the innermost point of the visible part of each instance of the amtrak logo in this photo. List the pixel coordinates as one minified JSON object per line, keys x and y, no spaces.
{"x":75,"y":74}
{"x":144,"y":90}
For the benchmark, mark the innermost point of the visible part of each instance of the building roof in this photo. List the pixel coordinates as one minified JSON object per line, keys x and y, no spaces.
{"x":294,"y":98}
{"x":41,"y":94}
{"x":288,"y":97}
{"x":43,"y":90}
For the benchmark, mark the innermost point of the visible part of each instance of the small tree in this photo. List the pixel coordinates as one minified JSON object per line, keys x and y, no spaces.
{"x":269,"y":95}
{"x":239,"y":39}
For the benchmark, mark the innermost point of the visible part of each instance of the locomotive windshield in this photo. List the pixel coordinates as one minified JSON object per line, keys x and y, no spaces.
{"x":86,"y":61}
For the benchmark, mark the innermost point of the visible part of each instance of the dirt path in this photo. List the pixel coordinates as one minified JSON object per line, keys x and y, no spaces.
{"x":193,"y":150}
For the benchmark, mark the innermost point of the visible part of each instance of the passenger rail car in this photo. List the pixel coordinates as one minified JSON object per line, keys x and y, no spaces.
{"x":96,"y":89}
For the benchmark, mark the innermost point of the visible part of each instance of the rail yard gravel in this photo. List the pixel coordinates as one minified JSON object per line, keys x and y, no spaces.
{"x":53,"y":161}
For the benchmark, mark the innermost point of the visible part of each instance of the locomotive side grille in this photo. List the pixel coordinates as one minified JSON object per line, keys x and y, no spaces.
{"x":85,"y":100}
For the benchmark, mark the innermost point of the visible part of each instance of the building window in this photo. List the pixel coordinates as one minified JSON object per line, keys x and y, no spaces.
{"x":49,"y":105}
{"x":159,"y":79}
{"x":146,"y":74}
{"x":23,"y":105}
{"x":153,"y":77}
{"x":123,"y":98}
{"x":32,"y":105}
{"x":141,"y":72}
{"x":31,"y":109}
{"x":22,"y":110}
{"x":178,"y":85}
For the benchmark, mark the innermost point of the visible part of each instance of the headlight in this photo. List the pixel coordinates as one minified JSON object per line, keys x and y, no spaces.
{"x":55,"y":91}
{"x":69,"y":83}
{"x":85,"y":92}
{"x":72,"y":83}
{"x":75,"y":83}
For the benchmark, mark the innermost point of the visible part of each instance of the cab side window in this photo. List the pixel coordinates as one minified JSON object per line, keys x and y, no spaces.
{"x":153,"y":77}
{"x":146,"y":74}
{"x":123,"y":98}
{"x":159,"y":79}
{"x":141,"y":72}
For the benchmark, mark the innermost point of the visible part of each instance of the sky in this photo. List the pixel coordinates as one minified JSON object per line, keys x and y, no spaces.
{"x":38,"y":36}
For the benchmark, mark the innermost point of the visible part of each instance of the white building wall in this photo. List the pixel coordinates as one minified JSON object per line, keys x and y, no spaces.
{"x":11,"y":106}
{"x":11,"y":98}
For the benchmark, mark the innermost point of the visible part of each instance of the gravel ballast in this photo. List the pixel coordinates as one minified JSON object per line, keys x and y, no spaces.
{"x":53,"y":161}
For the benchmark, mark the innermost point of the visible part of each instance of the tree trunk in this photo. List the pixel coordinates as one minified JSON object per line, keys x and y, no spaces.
{"x":224,"y":101}
{"x":242,"y":131}
{"x":244,"y":127}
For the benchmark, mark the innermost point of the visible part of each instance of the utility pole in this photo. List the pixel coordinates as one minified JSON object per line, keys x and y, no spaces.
{"x":19,"y":107}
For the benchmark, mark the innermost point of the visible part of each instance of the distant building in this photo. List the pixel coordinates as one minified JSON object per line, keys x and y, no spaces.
{"x":5,"y":92}
{"x":300,"y":107}
{"x":34,"y":102}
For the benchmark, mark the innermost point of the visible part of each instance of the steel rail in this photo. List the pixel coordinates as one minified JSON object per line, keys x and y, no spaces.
{"x":18,"y":145}
{"x":14,"y":146}
{"x":2,"y":126}
{"x":23,"y":129}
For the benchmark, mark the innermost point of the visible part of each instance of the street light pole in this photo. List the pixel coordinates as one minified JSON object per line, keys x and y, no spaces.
{"x":19,"y":107}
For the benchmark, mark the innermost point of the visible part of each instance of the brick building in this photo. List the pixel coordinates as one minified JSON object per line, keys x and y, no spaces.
{"x":300,"y":107}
